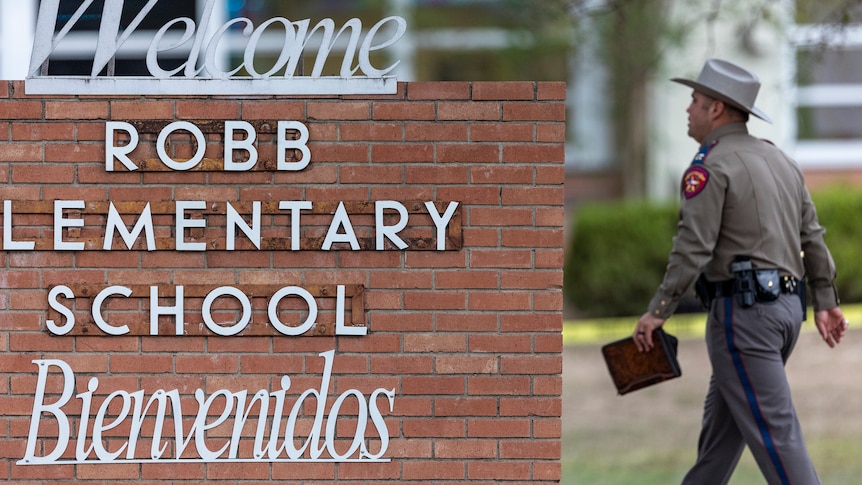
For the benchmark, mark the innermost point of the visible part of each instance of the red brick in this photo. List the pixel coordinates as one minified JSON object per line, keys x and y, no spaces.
{"x":273,"y":111}
{"x":468,"y":153}
{"x":43,"y":131}
{"x":402,"y":364}
{"x":21,"y":152}
{"x":504,"y":91}
{"x":404,"y":111}
{"x":438,"y":175}
{"x":78,"y":110}
{"x":549,"y":196}
{"x":498,"y":428}
{"x":534,"y":153}
{"x":434,"y":386}
{"x":288,"y":471}
{"x":498,"y":470}
{"x":76,"y":153}
{"x":501,"y":343}
{"x":497,"y":258}
{"x":21,"y":110}
{"x":438,"y":90}
{"x":535,"y":322}
{"x":551,"y":91}
{"x":438,"y":132}
{"x":449,"y":343}
{"x":466,"y":406}
{"x":508,"y":132}
{"x":454,"y":364}
{"x":472,"y":111}
{"x":107,"y":472}
{"x":547,"y":428}
{"x":432,"y":470}
{"x":521,"y":406}
{"x":371,"y":131}
{"x":496,"y":217}
{"x":339,"y":110}
{"x":204,"y":110}
{"x":341,"y":152}
{"x":500,"y":175}
{"x":516,"y":111}
{"x":436,"y":428}
{"x":470,"y":194}
{"x":550,"y":133}
{"x":402,"y":153}
{"x":365,"y":471}
{"x":137,"y":110}
{"x":474,"y":448}
{"x":532,"y":449}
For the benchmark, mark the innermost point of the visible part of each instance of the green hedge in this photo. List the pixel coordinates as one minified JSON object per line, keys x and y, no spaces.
{"x":840,"y":212}
{"x":618,"y":252}
{"x":617,"y":256}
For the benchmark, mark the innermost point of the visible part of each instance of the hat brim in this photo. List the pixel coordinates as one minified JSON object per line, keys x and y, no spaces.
{"x":715,"y":94}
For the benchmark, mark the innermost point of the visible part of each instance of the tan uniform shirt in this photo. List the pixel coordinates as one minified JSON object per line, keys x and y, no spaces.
{"x":745,"y":198}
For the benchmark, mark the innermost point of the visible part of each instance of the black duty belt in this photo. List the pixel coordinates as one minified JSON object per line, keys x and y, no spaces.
{"x":719,"y":289}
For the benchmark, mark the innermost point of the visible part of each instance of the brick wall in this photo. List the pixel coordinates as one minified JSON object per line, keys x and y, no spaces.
{"x":468,"y":338}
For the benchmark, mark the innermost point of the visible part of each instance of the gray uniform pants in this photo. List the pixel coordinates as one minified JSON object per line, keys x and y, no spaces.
{"x":748,"y":402}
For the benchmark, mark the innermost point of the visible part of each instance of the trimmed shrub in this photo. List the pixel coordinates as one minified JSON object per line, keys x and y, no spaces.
{"x":839,"y":210}
{"x":618,"y":252}
{"x":617,"y":256}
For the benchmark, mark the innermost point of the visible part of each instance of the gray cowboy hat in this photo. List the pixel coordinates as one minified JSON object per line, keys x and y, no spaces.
{"x":727,"y":82}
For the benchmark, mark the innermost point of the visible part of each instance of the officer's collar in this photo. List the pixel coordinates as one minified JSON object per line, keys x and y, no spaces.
{"x":724,"y":130}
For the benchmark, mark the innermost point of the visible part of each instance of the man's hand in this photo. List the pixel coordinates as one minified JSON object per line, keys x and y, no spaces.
{"x":643,"y":331}
{"x":832,"y":325}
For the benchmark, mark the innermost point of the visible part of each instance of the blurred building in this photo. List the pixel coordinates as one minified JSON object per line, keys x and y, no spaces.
{"x":811,"y":71}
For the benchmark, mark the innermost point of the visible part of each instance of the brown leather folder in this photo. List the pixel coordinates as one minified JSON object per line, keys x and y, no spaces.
{"x":632,"y":369}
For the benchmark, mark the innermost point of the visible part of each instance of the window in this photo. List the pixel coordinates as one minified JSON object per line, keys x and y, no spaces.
{"x":828,"y":61}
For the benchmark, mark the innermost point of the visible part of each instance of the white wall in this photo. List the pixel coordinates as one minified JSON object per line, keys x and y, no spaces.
{"x":17,"y":21}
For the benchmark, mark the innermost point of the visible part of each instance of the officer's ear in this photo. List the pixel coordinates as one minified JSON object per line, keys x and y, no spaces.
{"x":717,"y":109}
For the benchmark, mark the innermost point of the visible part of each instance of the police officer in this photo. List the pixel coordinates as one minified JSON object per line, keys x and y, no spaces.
{"x":748,"y":233}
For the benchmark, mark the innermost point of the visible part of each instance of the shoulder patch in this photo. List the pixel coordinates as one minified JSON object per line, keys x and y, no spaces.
{"x":694,"y":181}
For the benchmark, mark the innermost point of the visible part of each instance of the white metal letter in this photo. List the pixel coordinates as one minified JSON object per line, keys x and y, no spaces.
{"x":231,"y":145}
{"x":115,"y":223}
{"x":273,"y":310}
{"x":389,"y":232}
{"x":156,"y":310}
{"x":120,"y":153}
{"x":366,"y":48}
{"x":97,"y":309}
{"x":183,"y":224}
{"x":441,"y":221}
{"x":238,"y":326}
{"x":300,"y":144}
{"x":55,"y":305}
{"x":234,"y":221}
{"x":8,"y":243}
{"x":295,"y":207}
{"x":340,"y":328}
{"x":199,"y":137}
{"x":60,"y":223}
{"x":39,"y":407}
{"x":340,"y":219}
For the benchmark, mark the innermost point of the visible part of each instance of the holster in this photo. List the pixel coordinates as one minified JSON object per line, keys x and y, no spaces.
{"x":751,"y":286}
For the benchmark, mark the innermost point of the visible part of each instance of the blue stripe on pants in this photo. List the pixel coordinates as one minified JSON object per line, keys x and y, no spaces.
{"x":749,"y":392}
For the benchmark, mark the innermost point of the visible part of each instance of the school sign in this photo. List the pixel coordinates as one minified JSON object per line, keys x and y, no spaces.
{"x":213,"y":278}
